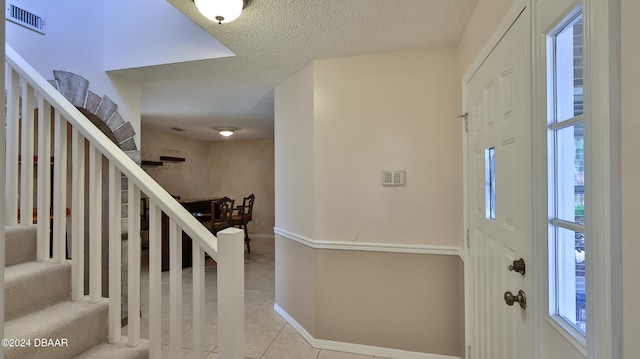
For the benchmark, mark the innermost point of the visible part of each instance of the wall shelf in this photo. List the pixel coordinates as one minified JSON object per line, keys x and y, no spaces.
{"x":151,"y":163}
{"x":172,"y":159}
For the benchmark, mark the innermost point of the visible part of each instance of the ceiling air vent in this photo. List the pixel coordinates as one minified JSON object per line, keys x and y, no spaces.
{"x":26,"y":18}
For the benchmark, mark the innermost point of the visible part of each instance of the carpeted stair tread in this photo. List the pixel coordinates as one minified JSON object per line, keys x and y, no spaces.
{"x":82,"y":324}
{"x":38,"y":309}
{"x":20,"y":244}
{"x":32,"y":286}
{"x":118,"y":350}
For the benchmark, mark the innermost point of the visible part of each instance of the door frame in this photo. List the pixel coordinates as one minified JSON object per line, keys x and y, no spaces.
{"x":602,"y":63}
{"x":2,"y":187}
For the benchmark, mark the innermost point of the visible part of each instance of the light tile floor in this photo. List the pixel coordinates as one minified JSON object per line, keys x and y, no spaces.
{"x":267,"y":335}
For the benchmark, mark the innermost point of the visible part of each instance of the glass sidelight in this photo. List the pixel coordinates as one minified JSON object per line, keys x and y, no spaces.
{"x":567,"y":266}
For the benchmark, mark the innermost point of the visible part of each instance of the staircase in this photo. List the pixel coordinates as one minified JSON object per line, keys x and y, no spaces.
{"x":41,"y":315}
{"x":44,"y":309}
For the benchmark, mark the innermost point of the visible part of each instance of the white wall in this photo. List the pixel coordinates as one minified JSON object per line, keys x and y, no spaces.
{"x":293,"y":150}
{"x":163,"y":35}
{"x":340,"y":122}
{"x":485,"y":18}
{"x":74,"y":42}
{"x":630,"y":177}
{"x":392,"y":111}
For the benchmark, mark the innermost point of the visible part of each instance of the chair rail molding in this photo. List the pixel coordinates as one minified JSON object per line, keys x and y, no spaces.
{"x":371,"y":246}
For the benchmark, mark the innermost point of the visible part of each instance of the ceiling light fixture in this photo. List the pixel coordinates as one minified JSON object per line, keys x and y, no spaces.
{"x":222,"y":11}
{"x":226,"y":131}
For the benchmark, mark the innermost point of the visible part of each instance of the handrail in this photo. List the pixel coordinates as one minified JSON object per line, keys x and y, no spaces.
{"x":110,"y":150}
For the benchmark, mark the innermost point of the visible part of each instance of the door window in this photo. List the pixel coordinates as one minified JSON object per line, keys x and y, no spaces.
{"x":490,"y":183}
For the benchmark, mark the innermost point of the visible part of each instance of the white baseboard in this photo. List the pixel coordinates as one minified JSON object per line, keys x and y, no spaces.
{"x":355,"y":348}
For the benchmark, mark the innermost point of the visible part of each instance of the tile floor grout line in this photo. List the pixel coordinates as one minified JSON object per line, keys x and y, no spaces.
{"x":269,"y":346}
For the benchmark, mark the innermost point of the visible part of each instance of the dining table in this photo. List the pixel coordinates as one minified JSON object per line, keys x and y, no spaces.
{"x":200,"y":208}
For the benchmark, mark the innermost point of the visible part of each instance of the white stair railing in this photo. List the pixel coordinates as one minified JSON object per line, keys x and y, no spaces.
{"x":29,"y":90}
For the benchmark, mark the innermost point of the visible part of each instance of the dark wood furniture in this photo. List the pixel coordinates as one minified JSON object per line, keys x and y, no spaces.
{"x":223,"y":210}
{"x":199,"y":208}
{"x":243,"y":216}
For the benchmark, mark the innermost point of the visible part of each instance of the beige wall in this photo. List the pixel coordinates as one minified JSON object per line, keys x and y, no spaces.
{"x":338,"y":124}
{"x":401,"y":301}
{"x":416,"y":296}
{"x":630,"y":176}
{"x":295,"y":282}
{"x":188,"y":179}
{"x":215,"y":169}
{"x":239,"y":168}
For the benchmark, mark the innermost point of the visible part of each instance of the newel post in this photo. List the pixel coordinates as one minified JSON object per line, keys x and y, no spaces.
{"x":231,"y":293}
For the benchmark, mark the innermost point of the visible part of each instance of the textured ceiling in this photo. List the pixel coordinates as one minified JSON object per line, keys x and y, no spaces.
{"x":274,"y":39}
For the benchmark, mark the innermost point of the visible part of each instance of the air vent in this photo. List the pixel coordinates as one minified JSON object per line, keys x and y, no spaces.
{"x":393,"y":178}
{"x":26,"y":18}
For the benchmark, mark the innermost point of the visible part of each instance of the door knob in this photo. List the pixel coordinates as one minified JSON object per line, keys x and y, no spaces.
{"x":509,"y":298}
{"x":517,"y":266}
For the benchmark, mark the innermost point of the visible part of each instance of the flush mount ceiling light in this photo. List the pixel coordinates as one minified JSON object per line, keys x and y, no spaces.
{"x":222,"y":11}
{"x":225,"y":131}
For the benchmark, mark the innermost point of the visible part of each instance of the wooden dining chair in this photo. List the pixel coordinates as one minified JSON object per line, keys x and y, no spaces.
{"x":223,"y":206}
{"x":243,"y":216}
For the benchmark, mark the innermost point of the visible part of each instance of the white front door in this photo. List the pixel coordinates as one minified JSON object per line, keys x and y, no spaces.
{"x":500,"y":197}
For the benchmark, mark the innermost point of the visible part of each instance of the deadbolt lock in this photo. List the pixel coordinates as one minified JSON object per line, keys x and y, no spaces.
{"x":521,"y":299}
{"x":517,"y":266}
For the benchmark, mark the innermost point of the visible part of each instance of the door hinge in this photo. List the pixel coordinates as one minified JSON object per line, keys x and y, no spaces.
{"x":465,"y":117}
{"x":468,"y":240}
{"x":468,"y":351}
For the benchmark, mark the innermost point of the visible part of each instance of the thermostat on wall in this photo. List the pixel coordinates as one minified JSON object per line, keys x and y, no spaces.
{"x":393,"y":178}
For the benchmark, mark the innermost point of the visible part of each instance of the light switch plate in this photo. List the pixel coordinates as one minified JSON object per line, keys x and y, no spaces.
{"x":393,"y":178}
